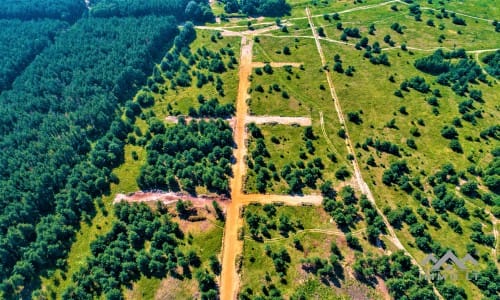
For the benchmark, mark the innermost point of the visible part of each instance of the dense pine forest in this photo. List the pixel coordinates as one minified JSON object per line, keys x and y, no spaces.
{"x":61,"y":128}
{"x":21,"y":42}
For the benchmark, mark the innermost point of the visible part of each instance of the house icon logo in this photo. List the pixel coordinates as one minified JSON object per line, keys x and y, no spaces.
{"x":449,"y":256}
{"x":446,"y":266}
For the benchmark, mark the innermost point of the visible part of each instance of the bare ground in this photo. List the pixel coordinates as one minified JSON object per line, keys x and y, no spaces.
{"x":276,"y":64}
{"x":302,"y":121}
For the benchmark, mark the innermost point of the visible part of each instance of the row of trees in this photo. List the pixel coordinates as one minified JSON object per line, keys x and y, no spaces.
{"x":64,"y":100}
{"x":21,"y":41}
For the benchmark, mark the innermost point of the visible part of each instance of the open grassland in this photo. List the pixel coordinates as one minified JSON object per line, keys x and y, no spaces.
{"x":295,"y":93}
{"x":476,"y":34}
{"x":370,"y":93}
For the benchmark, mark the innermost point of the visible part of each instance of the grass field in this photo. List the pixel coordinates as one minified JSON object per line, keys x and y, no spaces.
{"x":371,"y":93}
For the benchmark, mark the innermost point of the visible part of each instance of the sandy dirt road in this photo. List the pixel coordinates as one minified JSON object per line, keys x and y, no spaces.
{"x":232,"y":247}
{"x":302,"y":121}
{"x":276,"y":64}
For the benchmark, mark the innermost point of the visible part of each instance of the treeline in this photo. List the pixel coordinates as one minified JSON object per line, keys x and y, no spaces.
{"x":270,"y":8}
{"x":67,"y":10}
{"x":186,"y":156}
{"x":66,"y":99}
{"x":20,"y":42}
{"x":194,"y":10}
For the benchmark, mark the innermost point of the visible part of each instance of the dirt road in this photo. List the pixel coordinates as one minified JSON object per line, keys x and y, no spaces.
{"x":302,"y":121}
{"x":232,"y":247}
{"x":282,"y":199}
{"x":276,"y":64}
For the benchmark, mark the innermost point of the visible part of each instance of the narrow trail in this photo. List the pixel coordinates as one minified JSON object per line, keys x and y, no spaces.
{"x":231,"y":246}
{"x":328,"y":141}
{"x":347,"y":10}
{"x":350,"y":149}
{"x":311,"y":230}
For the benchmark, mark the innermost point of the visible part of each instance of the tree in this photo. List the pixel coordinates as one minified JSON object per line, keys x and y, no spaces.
{"x":183,"y":208}
{"x":353,"y":242}
{"x":347,"y":194}
{"x":321,"y":32}
{"x":449,"y":132}
{"x":268,"y":69}
{"x":455,"y":146}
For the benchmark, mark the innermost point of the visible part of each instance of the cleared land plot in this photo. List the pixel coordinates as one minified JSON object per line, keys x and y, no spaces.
{"x":288,"y":150}
{"x":259,"y":272}
{"x":205,"y":238}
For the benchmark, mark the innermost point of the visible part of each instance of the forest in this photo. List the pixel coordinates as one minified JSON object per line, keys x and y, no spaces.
{"x":67,"y":10}
{"x":196,"y":11}
{"x":21,"y":42}
{"x":66,"y":99}
{"x":271,"y":8}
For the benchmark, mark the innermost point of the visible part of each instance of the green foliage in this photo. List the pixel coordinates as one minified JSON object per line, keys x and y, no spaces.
{"x":269,"y":8}
{"x":21,"y":42}
{"x":458,"y":74}
{"x":197,"y":11}
{"x":189,"y":155}
{"x":212,"y":109}
{"x":493,"y":63}
{"x":66,"y":10}
{"x":64,"y":100}
{"x":401,"y":276}
{"x":119,"y":258}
